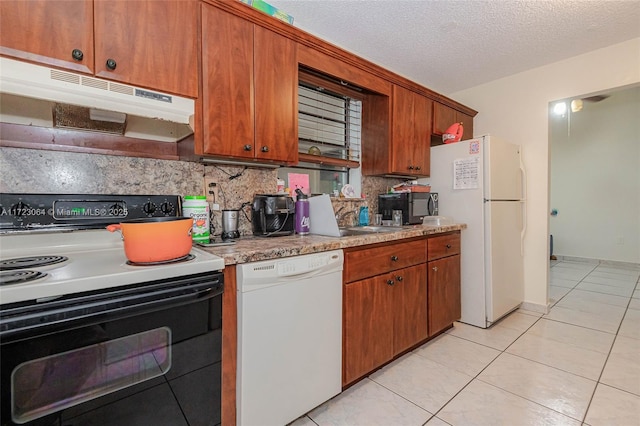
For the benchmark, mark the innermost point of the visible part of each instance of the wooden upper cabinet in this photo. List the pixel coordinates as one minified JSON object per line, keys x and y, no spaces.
{"x":467,"y":124}
{"x":444,"y":116}
{"x":276,"y":97}
{"x":411,"y":132}
{"x":227,"y":82}
{"x":151,"y":43}
{"x":249,"y":97}
{"x":48,"y":32}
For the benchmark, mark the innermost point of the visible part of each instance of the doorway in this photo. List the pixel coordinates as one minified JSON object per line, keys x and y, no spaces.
{"x":594,"y":153}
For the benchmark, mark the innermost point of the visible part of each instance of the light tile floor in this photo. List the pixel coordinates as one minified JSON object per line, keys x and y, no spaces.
{"x":577,"y":365}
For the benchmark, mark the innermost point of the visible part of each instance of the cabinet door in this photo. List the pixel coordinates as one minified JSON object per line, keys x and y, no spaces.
{"x":367,"y":326}
{"x":411,"y":130}
{"x":153,"y":43}
{"x":276,"y":97}
{"x":467,"y":124}
{"x":227,"y":83}
{"x":48,"y":31}
{"x":409,"y":307}
{"x":422,"y":129}
{"x":443,"y":293}
{"x":443,"y":117}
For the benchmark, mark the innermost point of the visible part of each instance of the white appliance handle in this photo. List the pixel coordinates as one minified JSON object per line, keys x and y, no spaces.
{"x":523,"y":172}
{"x":524,"y":226}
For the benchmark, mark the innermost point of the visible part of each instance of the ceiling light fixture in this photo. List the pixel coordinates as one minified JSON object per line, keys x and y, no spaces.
{"x":560,"y":108}
{"x":576,"y":105}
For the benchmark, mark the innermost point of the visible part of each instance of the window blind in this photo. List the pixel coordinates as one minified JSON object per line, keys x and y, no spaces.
{"x":329,"y":124}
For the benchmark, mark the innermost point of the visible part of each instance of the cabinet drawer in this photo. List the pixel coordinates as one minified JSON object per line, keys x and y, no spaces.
{"x":379,"y":260}
{"x":442,"y":246}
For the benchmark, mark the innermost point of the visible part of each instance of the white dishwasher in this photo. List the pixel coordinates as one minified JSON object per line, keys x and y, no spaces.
{"x":289,"y":337}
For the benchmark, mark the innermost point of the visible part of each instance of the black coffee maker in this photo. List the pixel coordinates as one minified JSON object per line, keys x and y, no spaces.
{"x":272,"y":215}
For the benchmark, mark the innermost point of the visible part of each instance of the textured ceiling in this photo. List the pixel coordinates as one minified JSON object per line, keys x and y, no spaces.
{"x":451,"y":45}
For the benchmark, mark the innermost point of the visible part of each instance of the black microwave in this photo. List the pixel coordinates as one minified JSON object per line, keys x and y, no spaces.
{"x":414,"y":206}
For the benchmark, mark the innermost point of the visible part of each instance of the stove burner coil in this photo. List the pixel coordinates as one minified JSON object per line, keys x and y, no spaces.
{"x":185,"y":258}
{"x":30,"y":262}
{"x":17,"y":277}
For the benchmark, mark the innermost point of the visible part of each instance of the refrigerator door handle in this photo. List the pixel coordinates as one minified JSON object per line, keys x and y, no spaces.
{"x":523,"y":172}
{"x":524,"y":226}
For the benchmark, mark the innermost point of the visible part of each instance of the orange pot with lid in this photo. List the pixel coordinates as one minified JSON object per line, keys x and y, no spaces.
{"x":156,"y":239}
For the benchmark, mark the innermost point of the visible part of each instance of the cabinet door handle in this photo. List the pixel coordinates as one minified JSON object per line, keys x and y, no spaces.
{"x":390,"y":282}
{"x":248,"y":147}
{"x":394,"y":258}
{"x":418,"y":168}
{"x":265,"y":149}
{"x":410,"y":167}
{"x":399,"y":278}
{"x":448,"y":246}
{"x":77,"y":54}
{"x":435,"y":268}
{"x":111,"y":64}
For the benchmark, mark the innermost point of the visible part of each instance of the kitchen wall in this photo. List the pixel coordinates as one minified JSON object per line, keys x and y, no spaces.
{"x":41,"y":171}
{"x":516,"y":108}
{"x":595,"y":178}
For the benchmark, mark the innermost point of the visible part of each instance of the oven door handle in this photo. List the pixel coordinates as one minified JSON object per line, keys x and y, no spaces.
{"x":101,"y":309}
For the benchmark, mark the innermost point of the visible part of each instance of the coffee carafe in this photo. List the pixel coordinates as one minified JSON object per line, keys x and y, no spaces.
{"x":230,"y":224}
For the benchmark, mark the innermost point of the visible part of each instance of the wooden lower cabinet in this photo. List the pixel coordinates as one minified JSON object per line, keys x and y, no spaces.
{"x":382,"y":316}
{"x":367,"y":325}
{"x":444,"y":293}
{"x":443,"y":269}
{"x":409,"y":307}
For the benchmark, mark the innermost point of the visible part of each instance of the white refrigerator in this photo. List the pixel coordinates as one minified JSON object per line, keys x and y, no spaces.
{"x":481,"y":182}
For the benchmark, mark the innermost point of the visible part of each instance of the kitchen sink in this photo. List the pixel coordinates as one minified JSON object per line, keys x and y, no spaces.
{"x":364,"y":230}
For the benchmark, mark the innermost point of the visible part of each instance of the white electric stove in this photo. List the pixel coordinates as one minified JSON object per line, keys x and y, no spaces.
{"x":62,"y":228}
{"x":87,"y":337}
{"x":86,"y":260}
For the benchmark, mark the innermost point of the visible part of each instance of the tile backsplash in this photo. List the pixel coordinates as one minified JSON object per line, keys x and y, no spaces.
{"x":41,"y":171}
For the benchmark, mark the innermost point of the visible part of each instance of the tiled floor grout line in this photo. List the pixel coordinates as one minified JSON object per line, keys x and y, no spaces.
{"x":604,"y":365}
{"x":537,"y":320}
{"x":607,"y":360}
{"x":484,"y":368}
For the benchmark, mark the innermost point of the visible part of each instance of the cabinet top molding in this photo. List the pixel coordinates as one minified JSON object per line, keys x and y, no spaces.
{"x":255,"y":16}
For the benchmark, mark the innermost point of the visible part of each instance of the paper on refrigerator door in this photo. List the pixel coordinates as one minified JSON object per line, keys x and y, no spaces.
{"x":466,"y":173}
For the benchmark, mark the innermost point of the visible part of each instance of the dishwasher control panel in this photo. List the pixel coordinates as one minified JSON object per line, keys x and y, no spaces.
{"x":257,"y":273}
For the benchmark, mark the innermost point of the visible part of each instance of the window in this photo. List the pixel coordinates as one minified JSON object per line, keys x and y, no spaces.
{"x":329,"y":135}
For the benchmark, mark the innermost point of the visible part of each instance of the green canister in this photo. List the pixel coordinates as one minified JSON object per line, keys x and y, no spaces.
{"x":197,"y":208}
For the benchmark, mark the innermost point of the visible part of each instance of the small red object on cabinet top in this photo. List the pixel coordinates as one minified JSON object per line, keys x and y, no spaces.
{"x":453,"y":133}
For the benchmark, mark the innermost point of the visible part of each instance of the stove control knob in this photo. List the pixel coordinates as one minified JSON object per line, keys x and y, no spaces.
{"x":19,"y":209}
{"x":166,"y":208}
{"x":149,"y":208}
{"x":117,"y":210}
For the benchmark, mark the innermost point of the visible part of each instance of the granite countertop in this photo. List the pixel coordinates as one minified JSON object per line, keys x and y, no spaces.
{"x":253,"y":249}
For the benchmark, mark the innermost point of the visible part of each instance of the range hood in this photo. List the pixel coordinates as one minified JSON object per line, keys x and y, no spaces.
{"x":31,"y":95}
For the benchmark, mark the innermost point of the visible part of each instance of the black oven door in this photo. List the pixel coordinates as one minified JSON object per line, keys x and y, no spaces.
{"x":141,"y":355}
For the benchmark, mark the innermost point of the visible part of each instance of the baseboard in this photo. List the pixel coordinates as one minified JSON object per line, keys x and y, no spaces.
{"x":630,"y":265}
{"x":535,"y":307}
{"x":576,"y":259}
